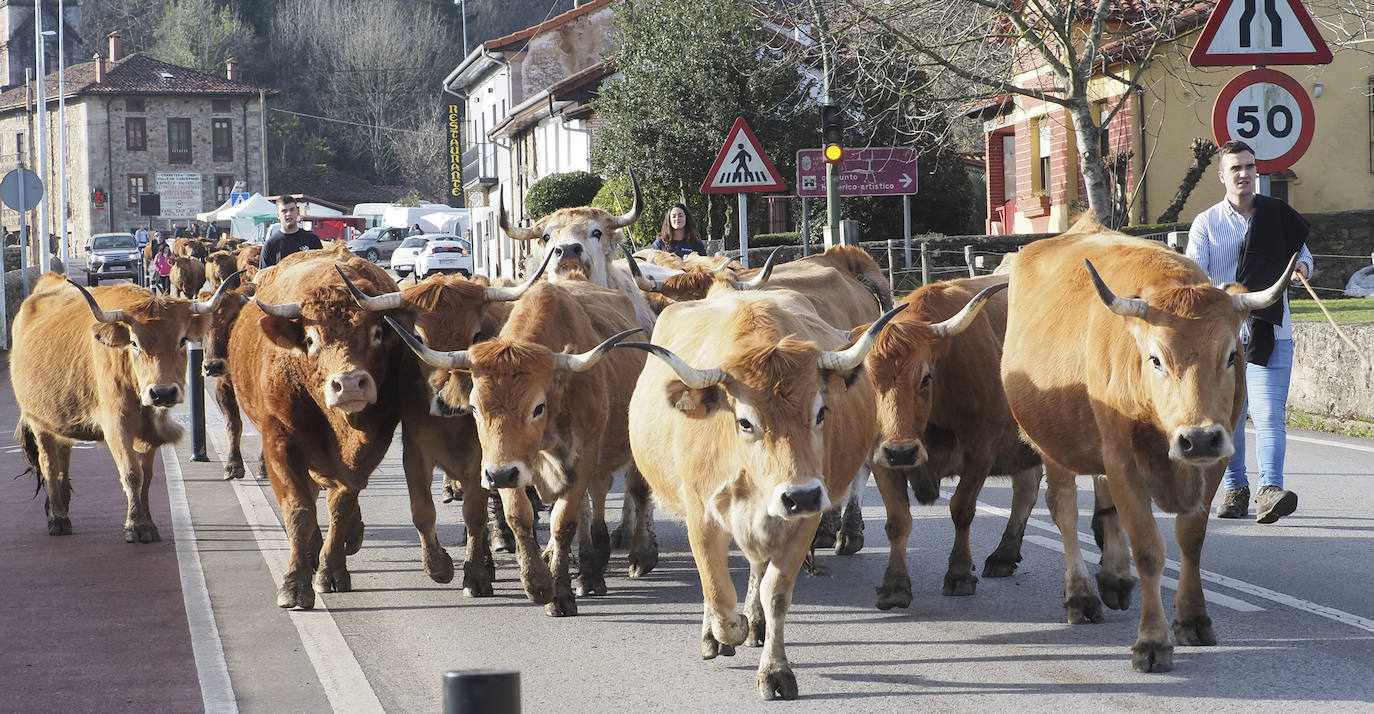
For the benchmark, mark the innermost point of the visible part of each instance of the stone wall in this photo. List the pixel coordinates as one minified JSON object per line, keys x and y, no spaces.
{"x":1327,"y":375}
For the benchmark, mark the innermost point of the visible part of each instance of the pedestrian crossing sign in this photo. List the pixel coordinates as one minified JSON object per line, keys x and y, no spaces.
{"x":742,"y":166}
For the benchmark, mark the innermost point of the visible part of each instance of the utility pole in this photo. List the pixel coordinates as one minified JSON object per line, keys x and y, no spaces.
{"x":41,"y":74}
{"x":832,"y":180}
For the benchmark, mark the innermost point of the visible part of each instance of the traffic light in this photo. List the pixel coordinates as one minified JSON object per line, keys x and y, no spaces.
{"x":832,"y":132}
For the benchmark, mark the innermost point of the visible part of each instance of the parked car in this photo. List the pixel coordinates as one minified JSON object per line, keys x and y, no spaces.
{"x":403,"y":259}
{"x":375,"y":244}
{"x":113,"y":256}
{"x":444,"y":256}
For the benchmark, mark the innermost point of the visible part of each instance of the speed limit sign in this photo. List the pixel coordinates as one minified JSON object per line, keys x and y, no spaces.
{"x":1271,"y":112}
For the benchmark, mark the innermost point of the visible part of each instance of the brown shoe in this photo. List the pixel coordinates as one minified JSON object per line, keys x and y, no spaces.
{"x":1274,"y":503}
{"x":1235,"y":504}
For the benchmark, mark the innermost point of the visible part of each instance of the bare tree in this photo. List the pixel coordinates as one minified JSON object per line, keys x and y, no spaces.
{"x":1203,"y":150}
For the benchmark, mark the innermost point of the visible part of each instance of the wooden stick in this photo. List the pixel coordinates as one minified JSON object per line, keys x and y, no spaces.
{"x":1364,"y":361}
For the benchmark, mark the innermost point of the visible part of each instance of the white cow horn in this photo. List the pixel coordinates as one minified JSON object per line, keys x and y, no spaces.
{"x":204,"y":308}
{"x":964,"y":318}
{"x":434,"y":358}
{"x":854,"y":356}
{"x":100,"y":315}
{"x":501,"y":293}
{"x":379,"y":303}
{"x":587,"y":360}
{"x":636,"y":209}
{"x":288,"y":311}
{"x":764,"y":273}
{"x":1246,"y":302}
{"x":690,"y":376}
{"x":644,"y":283}
{"x":512,"y":231}
{"x":1129,"y":307}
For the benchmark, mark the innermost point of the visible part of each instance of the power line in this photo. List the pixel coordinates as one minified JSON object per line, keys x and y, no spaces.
{"x":351,"y":123}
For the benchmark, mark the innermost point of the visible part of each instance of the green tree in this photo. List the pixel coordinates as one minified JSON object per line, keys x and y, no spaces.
{"x":193,"y":33}
{"x":687,"y":69}
{"x":565,"y":190}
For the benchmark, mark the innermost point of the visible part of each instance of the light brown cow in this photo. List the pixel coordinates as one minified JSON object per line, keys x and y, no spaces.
{"x":556,"y":421}
{"x":755,"y":444}
{"x":121,"y":367}
{"x":190,"y":248}
{"x":188,"y":275}
{"x":942,"y":412}
{"x":248,"y":256}
{"x":219,"y":265}
{"x":318,"y":377}
{"x":216,"y":367}
{"x":1145,"y":389}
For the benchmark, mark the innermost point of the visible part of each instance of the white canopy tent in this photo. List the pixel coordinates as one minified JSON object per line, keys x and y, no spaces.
{"x":248,"y":219}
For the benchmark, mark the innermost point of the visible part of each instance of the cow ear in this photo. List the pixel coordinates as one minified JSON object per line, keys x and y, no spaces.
{"x":857,"y":332}
{"x":839,"y":381}
{"x":111,"y":334}
{"x":284,"y":333}
{"x":692,"y":402}
{"x":198,"y":326}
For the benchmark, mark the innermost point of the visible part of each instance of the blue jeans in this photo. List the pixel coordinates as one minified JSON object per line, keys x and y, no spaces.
{"x":1266,"y":400}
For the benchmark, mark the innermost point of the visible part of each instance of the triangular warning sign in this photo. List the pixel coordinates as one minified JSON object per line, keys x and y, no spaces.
{"x":741,"y":166}
{"x":1248,"y":32}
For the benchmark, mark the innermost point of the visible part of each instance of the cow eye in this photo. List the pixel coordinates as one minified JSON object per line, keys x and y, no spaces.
{"x":476,"y":336}
{"x":1154,"y":362}
{"x":538,"y":410}
{"x":745,"y":425}
{"x":596,"y":232}
{"x":925,"y":381}
{"x":309,"y":342}
{"x":1231,"y":360}
{"x":134,"y":346}
{"x":820,"y":415}
{"x":544,"y":238}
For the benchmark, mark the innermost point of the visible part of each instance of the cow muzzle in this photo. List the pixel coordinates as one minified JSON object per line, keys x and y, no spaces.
{"x":215,"y":368}
{"x":162,"y":395}
{"x":350,"y":392}
{"x":1201,"y":445}
{"x":799,"y":500}
{"x":901,"y":453}
{"x":512,"y":474}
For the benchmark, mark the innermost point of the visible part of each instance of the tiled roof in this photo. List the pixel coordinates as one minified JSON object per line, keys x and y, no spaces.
{"x":332,"y":185}
{"x":135,"y":74}
{"x":529,"y":32}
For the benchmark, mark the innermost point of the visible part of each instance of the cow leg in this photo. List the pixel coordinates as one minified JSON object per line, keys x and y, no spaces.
{"x":593,"y":542}
{"x":345,"y":538}
{"x":1114,"y":580}
{"x":776,"y":680}
{"x":722,"y":629}
{"x":850,"y":538}
{"x":1025,"y":489}
{"x":829,"y":527}
{"x":563,"y":526}
{"x":1153,"y":651}
{"x":296,"y":499}
{"x":534,"y":572}
{"x":1081,"y":603}
{"x":479,"y":568}
{"x":233,"y":425}
{"x":134,"y":469}
{"x":644,"y":543}
{"x":959,"y":577}
{"x":622,"y":536}
{"x":502,"y":537}
{"x":896,"y":588}
{"x":753,"y":605}
{"x":419,"y":473}
{"x":1192,"y":625}
{"x":54,"y":458}
{"x":145,"y":462}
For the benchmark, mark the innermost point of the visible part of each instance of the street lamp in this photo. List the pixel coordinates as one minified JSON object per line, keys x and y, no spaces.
{"x":41,"y":72}
{"x":63,"y":239}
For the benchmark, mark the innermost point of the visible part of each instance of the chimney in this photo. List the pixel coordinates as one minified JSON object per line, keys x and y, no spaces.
{"x":116,"y":46}
{"x":99,"y":68}
{"x":231,"y":69}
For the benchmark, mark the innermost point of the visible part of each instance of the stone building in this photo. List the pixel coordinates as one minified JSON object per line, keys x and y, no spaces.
{"x":135,"y":124}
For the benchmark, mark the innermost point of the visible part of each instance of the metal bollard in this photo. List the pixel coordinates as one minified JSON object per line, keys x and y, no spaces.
{"x":196,"y":386}
{"x":488,"y":691}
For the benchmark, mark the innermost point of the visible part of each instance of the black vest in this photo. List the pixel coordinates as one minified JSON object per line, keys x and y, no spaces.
{"x":1276,"y":233}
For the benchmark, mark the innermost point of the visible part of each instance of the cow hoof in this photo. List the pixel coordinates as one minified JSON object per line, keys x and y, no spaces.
{"x":561,"y":606}
{"x":733,"y":631}
{"x":825,"y":532}
{"x":591,"y":585}
{"x":1000,"y":566}
{"x":61,"y":525}
{"x":777,"y":683}
{"x":1195,"y":631}
{"x":1152,"y":657}
{"x":960,"y":584}
{"x":333,"y":581}
{"x":475,"y":585}
{"x":439,"y":566}
{"x":353,"y":536}
{"x":141,"y":534}
{"x":1115,"y":592}
{"x":539,"y":593}
{"x":849,"y":543}
{"x":894,"y":592}
{"x":1083,"y":608}
{"x":296,"y":595}
{"x":451,"y":493}
{"x":712,"y":648}
{"x":644,"y":561}
{"x":234,"y":470}
{"x":758,"y":630}
{"x":621,"y":537}
{"x":502,"y":539}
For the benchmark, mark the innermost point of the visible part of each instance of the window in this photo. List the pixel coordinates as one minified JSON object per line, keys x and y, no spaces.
{"x":138,"y":183}
{"x":134,"y":104}
{"x":222,"y":138}
{"x":135,"y":134}
{"x":224,"y":185}
{"x":19,"y":146}
{"x":179,"y":141}
{"x":219,"y":106}
{"x":1046,"y":146}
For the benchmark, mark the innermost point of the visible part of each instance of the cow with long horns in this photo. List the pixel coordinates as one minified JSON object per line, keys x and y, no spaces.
{"x":1146,"y":389}
{"x":750,"y":423}
{"x":105,"y":364}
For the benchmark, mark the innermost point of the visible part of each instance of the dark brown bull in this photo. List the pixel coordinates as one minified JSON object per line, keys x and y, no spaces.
{"x":188,"y":275}
{"x":216,"y":367}
{"x":219,"y":266}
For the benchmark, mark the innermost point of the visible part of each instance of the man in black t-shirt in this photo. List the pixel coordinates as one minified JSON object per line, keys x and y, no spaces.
{"x":288,"y":237}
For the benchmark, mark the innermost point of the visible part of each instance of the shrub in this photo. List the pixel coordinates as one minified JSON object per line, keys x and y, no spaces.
{"x":566,"y":190}
{"x":769,"y":240}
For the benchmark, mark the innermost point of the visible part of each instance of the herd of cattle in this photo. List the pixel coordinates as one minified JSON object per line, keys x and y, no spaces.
{"x":748,"y":402}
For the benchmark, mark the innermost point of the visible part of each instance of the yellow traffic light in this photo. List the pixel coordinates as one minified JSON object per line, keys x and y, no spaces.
{"x":833,"y":152}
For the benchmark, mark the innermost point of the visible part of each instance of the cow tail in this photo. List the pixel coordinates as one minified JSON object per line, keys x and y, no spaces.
{"x":24,"y":435}
{"x":879,"y":287}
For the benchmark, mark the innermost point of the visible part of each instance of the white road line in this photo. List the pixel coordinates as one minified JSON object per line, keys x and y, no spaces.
{"x":339,"y":673}
{"x":1330,"y":613}
{"x":1322,"y":442}
{"x":216,"y":691}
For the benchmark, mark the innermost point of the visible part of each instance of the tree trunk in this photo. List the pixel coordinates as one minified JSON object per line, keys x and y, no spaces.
{"x":1095,"y":177}
{"x":1203,"y":151}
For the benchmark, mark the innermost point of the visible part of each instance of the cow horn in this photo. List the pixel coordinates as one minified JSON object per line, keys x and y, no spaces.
{"x":286,"y":311}
{"x":100,"y":315}
{"x":203,"y":308}
{"x":644,"y":283}
{"x":636,"y":209}
{"x":964,"y":318}
{"x":764,"y":273}
{"x":1245,"y":302}
{"x":854,"y":356}
{"x":690,"y":376}
{"x":504,"y":219}
{"x":379,"y":303}
{"x":1129,"y":307}
{"x":434,"y":358}
{"x":498,"y":293}
{"x":724,"y":265}
{"x":587,"y":360}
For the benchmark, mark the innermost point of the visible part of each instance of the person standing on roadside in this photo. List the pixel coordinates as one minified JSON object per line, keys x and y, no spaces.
{"x":678,"y":234}
{"x":288,"y":237}
{"x":1249,"y":238}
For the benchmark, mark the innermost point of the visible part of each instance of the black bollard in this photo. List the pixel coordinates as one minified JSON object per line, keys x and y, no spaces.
{"x":488,"y":691}
{"x":196,"y":381}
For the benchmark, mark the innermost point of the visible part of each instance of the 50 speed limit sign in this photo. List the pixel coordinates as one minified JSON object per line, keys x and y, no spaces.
{"x":1271,"y":112}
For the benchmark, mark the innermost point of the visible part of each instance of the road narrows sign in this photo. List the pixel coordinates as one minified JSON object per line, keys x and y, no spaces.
{"x":749,"y":170}
{"x":1271,"y":112}
{"x":1248,"y":32}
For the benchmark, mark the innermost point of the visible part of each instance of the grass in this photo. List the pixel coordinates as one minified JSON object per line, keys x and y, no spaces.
{"x":1349,"y":425}
{"x":1345,"y":310}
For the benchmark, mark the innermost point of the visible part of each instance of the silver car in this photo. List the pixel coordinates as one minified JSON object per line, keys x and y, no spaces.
{"x":113,"y":256}
{"x":377,"y":244}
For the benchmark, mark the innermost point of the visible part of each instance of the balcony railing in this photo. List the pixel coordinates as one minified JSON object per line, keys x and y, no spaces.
{"x":479,"y":164}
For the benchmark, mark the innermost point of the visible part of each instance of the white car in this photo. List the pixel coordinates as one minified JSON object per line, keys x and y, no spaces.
{"x":444,"y":256}
{"x":403,"y":258}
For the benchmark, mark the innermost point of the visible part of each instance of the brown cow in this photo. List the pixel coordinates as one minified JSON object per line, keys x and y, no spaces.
{"x":318,"y":376}
{"x":190,"y":248}
{"x":1145,"y":389}
{"x":554,"y":420}
{"x":219,"y":265}
{"x":122,"y":367}
{"x":188,"y":275}
{"x":216,"y":367}
{"x":247,"y":258}
{"x":942,"y":412}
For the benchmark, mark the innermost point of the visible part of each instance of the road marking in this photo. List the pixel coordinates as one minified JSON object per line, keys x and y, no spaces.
{"x":216,"y":691}
{"x":340,"y":675}
{"x":1322,"y":442}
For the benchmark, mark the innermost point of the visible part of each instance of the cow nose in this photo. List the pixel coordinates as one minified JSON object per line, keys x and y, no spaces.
{"x":500,"y":477}
{"x":800,"y":501}
{"x":902,"y":453}
{"x":572,"y":250}
{"x":164,"y":395}
{"x":214,"y":368}
{"x":1201,"y":444}
{"x":350,"y":389}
